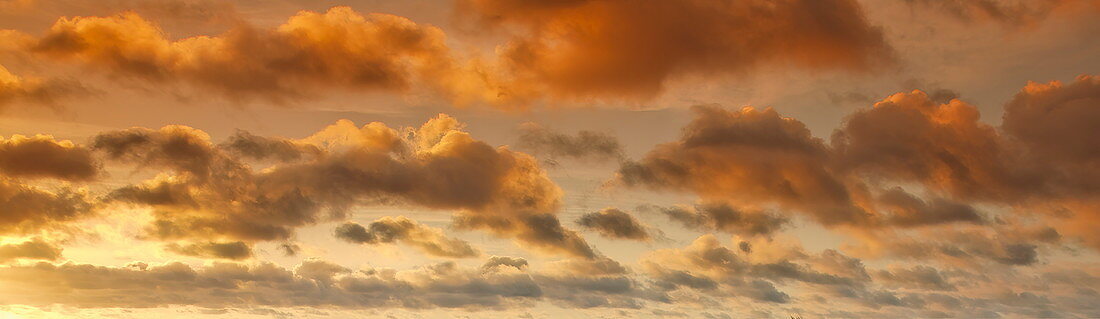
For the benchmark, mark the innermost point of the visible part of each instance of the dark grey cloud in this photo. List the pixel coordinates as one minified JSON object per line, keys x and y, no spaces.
{"x":724,"y":217}
{"x":614,"y":223}
{"x":590,"y":145}
{"x":430,"y":240}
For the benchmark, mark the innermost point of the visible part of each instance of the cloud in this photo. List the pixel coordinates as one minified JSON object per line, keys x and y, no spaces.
{"x":1014,"y":14}
{"x":41,"y":156}
{"x":248,"y":145}
{"x":504,"y":261}
{"x":542,"y":232}
{"x":313,"y":283}
{"x":723,"y":217}
{"x":909,"y":137}
{"x":390,"y":229}
{"x":28,"y":209}
{"x":707,"y":265}
{"x":338,"y":48}
{"x":231,"y":250}
{"x":1052,"y":123}
{"x":906,"y":162}
{"x":32,"y":249}
{"x":748,"y":158}
{"x":621,"y":50}
{"x":614,"y":223}
{"x":539,"y":140}
{"x":578,"y":49}
{"x":908,"y":210}
{"x":213,"y":193}
{"x":975,"y":247}
{"x":917,"y":276}
{"x":14,"y":88}
{"x":180,"y":148}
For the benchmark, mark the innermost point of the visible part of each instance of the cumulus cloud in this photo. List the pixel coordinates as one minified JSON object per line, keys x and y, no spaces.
{"x":723,"y":217}
{"x":213,"y":193}
{"x":1053,"y":123}
{"x":909,"y":137}
{"x":1041,"y":157}
{"x":749,"y":158}
{"x":14,"y":88}
{"x":542,"y":141}
{"x":28,"y":209}
{"x":906,"y":162}
{"x":43,"y":156}
{"x":620,"y":48}
{"x":338,"y":48}
{"x":430,"y":240}
{"x":614,"y":223}
{"x":32,"y":249}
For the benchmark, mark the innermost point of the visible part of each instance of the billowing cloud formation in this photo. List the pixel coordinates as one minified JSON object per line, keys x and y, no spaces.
{"x":14,"y":88}
{"x":723,"y":217}
{"x":909,"y":137}
{"x":573,"y":49}
{"x":27,"y":209}
{"x":1043,"y":159}
{"x":614,"y":223}
{"x":1055,"y":123}
{"x":539,"y":140}
{"x":31,"y":249}
{"x":215,"y":195}
{"x":623,"y":48}
{"x":43,"y":156}
{"x":339,"y":48}
{"x":749,"y":157}
{"x":390,"y":229}
{"x":906,"y":164}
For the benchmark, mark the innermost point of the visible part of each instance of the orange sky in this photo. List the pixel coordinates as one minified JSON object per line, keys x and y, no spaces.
{"x":549,"y":159}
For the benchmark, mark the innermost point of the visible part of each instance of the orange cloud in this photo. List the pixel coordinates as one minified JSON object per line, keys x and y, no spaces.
{"x":389,"y":229}
{"x":337,"y":48}
{"x":43,"y":156}
{"x":906,"y":162}
{"x":575,"y":49}
{"x":14,"y":88}
{"x":581,"y":48}
{"x":214,"y":194}
{"x":751,"y":158}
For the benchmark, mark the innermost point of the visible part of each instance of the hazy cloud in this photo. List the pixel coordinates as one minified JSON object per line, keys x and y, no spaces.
{"x":390,"y":229}
{"x":539,"y":140}
{"x":614,"y":223}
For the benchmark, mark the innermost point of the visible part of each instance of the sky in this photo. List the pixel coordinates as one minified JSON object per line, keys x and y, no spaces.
{"x":549,"y":159}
